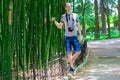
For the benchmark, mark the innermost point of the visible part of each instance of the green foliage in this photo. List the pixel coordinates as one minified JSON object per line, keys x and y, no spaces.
{"x":115,"y":20}
{"x":90,"y":27}
{"x":114,"y":34}
{"x":86,"y":7}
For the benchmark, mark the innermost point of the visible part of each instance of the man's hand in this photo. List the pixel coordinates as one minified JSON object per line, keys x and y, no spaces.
{"x":53,"y":19}
{"x":59,"y":25}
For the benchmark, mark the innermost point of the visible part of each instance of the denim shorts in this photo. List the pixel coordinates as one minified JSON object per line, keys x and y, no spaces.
{"x":72,"y":42}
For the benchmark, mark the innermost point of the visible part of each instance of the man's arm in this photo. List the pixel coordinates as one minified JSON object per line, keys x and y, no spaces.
{"x":79,"y":30}
{"x":59,"y":25}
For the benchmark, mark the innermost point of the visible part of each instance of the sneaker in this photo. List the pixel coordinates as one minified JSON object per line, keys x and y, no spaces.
{"x":71,"y":69}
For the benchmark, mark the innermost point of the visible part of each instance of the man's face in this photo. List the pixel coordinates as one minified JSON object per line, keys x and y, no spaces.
{"x":68,"y":7}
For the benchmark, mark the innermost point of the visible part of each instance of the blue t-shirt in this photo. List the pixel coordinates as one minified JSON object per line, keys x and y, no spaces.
{"x":71,"y":21}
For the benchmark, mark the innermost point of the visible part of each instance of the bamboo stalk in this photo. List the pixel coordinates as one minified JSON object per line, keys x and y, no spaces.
{"x":1,"y":5}
{"x":6,"y":47}
{"x":23,"y":22}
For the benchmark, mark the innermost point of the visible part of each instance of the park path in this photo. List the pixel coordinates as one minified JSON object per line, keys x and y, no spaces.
{"x":103,"y":63}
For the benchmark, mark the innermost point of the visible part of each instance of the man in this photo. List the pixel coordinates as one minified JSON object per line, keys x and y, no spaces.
{"x":71,"y":23}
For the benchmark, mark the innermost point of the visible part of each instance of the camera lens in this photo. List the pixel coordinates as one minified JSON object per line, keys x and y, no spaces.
{"x":70,"y":29}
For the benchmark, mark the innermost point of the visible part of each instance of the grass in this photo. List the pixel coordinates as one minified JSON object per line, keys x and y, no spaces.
{"x":114,"y":34}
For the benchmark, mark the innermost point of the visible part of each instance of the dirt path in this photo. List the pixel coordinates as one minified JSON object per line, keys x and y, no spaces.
{"x":104,"y":61}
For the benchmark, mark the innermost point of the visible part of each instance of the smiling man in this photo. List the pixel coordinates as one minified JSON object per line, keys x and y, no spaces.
{"x":71,"y":22}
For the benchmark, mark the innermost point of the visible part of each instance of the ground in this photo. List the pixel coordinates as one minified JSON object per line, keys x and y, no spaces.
{"x":103,"y":63}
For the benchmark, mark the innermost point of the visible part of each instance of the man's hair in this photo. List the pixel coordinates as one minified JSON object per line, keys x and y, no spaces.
{"x":68,"y":3}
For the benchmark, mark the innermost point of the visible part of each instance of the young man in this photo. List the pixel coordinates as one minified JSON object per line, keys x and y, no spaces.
{"x":71,"y":22}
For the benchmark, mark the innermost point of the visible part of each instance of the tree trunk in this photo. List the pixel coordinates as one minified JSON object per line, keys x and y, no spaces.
{"x":97,"y":32}
{"x":83,"y":21}
{"x":103,"y":16}
{"x":83,"y":26}
{"x":108,"y":20}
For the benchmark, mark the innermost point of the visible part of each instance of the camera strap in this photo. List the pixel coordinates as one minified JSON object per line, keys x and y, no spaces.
{"x":68,"y":18}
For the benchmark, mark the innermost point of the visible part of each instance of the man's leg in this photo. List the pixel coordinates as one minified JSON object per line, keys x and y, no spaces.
{"x":70,"y":62}
{"x":75,"y":56}
{"x":70,"y":57}
{"x":69,"y":52}
{"x":77,"y":48}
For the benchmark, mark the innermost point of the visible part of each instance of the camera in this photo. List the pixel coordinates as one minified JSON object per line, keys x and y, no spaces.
{"x":70,"y":29}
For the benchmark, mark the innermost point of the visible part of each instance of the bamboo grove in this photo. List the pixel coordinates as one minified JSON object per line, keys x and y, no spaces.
{"x":29,"y":38}
{"x":27,"y":35}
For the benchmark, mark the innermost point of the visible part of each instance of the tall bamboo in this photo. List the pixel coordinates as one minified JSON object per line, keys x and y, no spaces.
{"x":29,"y":38}
{"x":1,"y":5}
{"x":23,"y":25}
{"x":6,"y":40}
{"x":39,"y":32}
